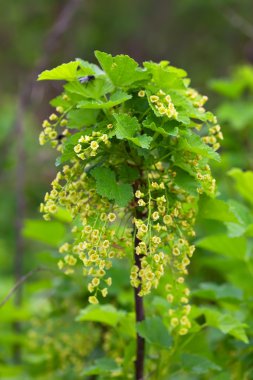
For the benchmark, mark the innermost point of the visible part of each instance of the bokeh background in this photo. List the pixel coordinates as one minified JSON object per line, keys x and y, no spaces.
{"x":210,"y":39}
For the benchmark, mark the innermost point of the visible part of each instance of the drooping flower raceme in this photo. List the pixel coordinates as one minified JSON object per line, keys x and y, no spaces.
{"x":135,"y":145}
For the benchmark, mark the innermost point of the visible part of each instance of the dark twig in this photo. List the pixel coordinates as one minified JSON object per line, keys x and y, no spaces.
{"x":19,"y":283}
{"x":239,"y":22}
{"x":139,"y":310}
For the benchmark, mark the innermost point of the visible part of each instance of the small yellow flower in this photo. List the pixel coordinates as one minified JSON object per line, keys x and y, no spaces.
{"x":104,"y":292}
{"x":94,"y":145}
{"x":183,"y":331}
{"x":106,"y":244}
{"x":93,"y":300}
{"x":111,"y":217}
{"x":109,"y":281}
{"x":141,"y":93}
{"x":176,"y":251}
{"x":95,"y":281}
{"x":170,"y":298}
{"x":174,"y":322}
{"x":155,"y":215}
{"x":154,"y":98}
{"x":78,"y":148}
{"x":53,"y":117}
{"x":138,"y":194}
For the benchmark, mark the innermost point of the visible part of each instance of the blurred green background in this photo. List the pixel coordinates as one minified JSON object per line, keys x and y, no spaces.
{"x":210,"y":39}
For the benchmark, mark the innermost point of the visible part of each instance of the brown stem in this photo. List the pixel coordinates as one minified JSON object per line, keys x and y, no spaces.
{"x":139,"y":310}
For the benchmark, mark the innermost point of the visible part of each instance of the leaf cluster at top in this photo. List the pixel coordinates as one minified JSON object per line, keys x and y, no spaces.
{"x":119,"y":94}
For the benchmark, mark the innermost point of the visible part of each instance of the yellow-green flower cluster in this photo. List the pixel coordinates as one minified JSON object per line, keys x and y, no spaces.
{"x":163,"y":104}
{"x":214,"y":137}
{"x":50,"y":132}
{"x":164,"y":248}
{"x":88,"y":145}
{"x":96,"y":242}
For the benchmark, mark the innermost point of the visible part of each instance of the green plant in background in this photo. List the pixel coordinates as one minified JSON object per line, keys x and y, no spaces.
{"x":135,"y":143}
{"x":235,"y":113}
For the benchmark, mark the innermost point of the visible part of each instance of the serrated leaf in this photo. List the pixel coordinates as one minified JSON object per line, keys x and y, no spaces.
{"x":193,"y":143}
{"x":82,"y":117}
{"x":165,"y":77}
{"x":143,"y":141}
{"x":155,"y":332}
{"x":243,"y":183}
{"x":95,"y":69}
{"x":224,"y":245}
{"x":95,"y":89}
{"x":121,"y":69}
{"x":218,"y":292}
{"x":168,"y":129}
{"x":226,"y":323}
{"x":216,"y":209}
{"x":186,"y":181}
{"x":107,"y":186}
{"x":66,"y":71}
{"x":117,"y":98}
{"x":126,"y":125}
{"x":198,"y":364}
{"x":105,"y":314}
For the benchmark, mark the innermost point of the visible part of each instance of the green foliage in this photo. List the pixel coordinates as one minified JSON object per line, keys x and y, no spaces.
{"x":66,"y":71}
{"x":105,"y":314}
{"x":155,"y":332}
{"x":108,"y":187}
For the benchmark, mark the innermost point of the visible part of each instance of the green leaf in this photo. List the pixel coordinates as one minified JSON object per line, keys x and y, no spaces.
{"x":51,"y":233}
{"x":105,"y":314}
{"x":155,"y":332}
{"x":66,"y":71}
{"x":225,"y":245}
{"x":186,"y":181}
{"x":126,"y":126}
{"x":168,"y":129}
{"x":128,"y":173}
{"x":63,"y":215}
{"x":238,"y":115}
{"x":103,"y":366}
{"x":94,"y":89}
{"x":193,"y":143}
{"x":143,"y":141}
{"x":198,"y":364}
{"x":230,"y":88}
{"x":107,"y":186}
{"x":243,"y":183}
{"x":121,"y":69}
{"x":218,"y":292}
{"x":226,"y":323}
{"x":166,"y":77}
{"x":82,"y":117}
{"x":95,"y":69}
{"x":117,"y":98}
{"x":216,"y":209}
